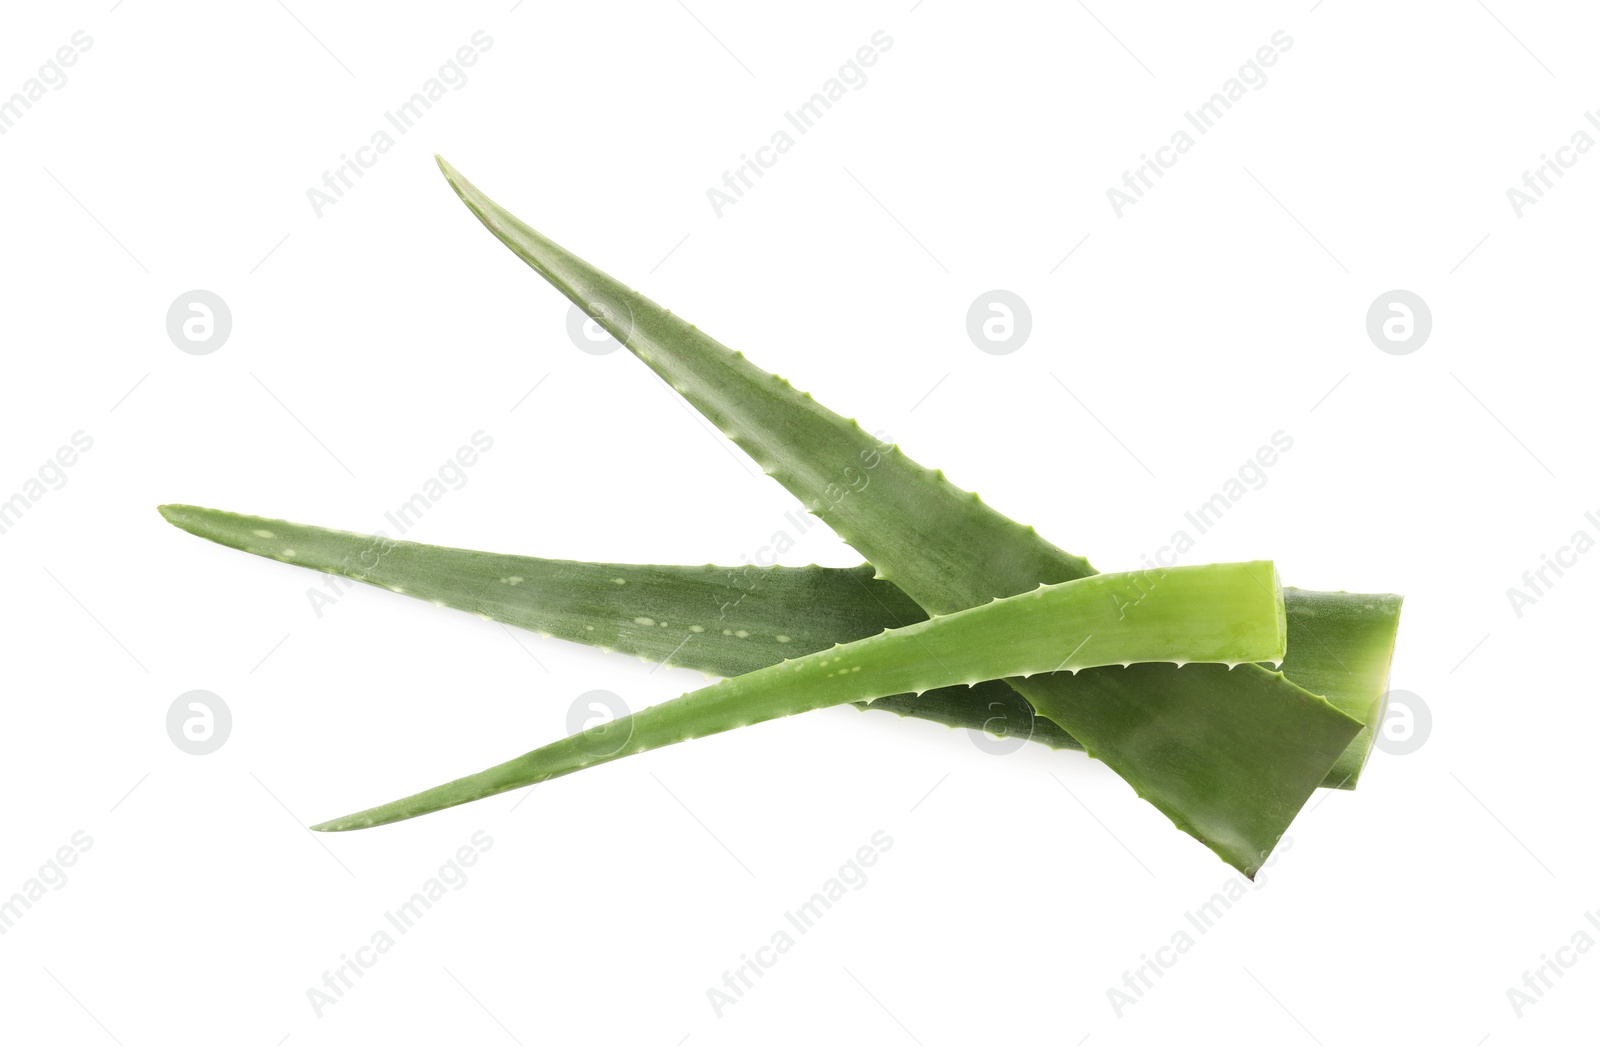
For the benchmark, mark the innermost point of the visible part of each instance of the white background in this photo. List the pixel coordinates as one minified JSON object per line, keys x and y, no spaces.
{"x":372,"y":341}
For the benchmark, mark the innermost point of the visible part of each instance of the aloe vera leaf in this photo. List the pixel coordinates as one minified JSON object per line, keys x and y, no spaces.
{"x":722,"y":621}
{"x":1223,"y":613}
{"x":1194,"y":747}
{"x":1341,"y":644}
{"x":726,"y":621}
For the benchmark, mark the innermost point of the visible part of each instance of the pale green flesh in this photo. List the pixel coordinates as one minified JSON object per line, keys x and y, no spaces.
{"x":1341,"y":646}
{"x":1230,"y":758}
{"x":726,"y":621}
{"x":1220,"y":613}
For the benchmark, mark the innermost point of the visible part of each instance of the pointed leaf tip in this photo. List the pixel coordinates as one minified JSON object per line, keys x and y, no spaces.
{"x":181,"y":516}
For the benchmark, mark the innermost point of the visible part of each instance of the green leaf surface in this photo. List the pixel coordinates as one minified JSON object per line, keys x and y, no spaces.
{"x":726,"y":621}
{"x":1219,"y":613}
{"x":1231,"y":772}
{"x":1341,"y":644}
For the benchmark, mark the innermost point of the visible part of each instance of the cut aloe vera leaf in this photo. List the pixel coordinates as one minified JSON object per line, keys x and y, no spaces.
{"x":1219,"y":613}
{"x":1215,"y":770}
{"x":726,"y":621}
{"x":1341,"y":645}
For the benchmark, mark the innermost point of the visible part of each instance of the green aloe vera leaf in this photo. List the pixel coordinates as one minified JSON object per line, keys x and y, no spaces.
{"x":1222,"y":613}
{"x":726,"y":621}
{"x":1341,"y":644}
{"x":1206,"y":762}
{"x":722,"y":621}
